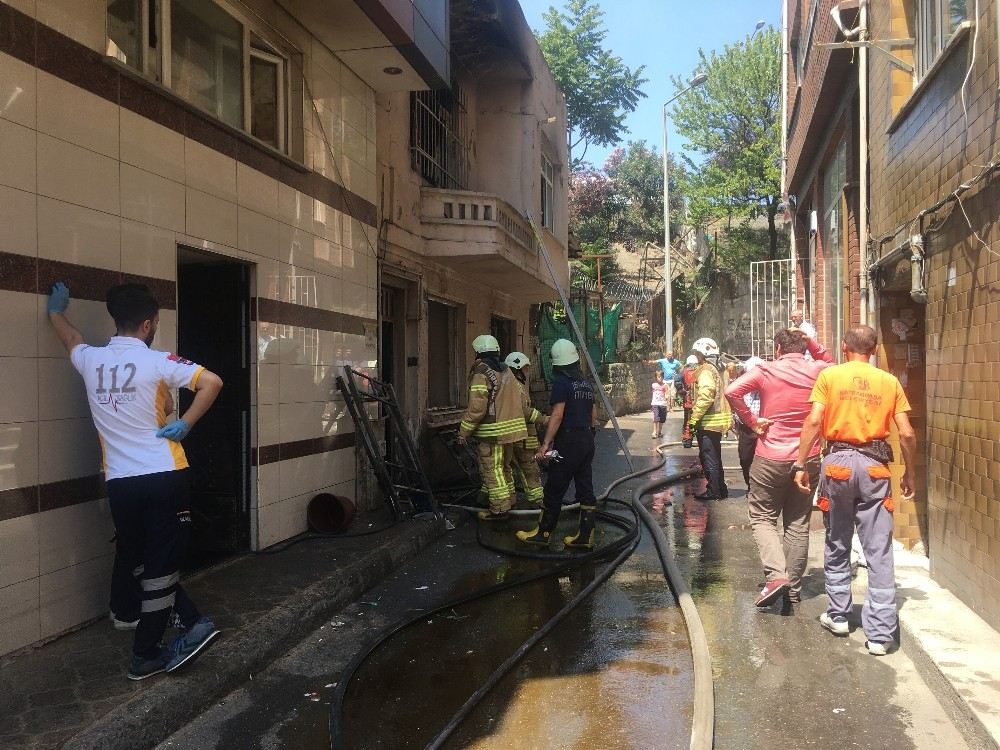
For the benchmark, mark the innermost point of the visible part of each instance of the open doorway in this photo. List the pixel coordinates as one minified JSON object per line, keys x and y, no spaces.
{"x":213,"y":329}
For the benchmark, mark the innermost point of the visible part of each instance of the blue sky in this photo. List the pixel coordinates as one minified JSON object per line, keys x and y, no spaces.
{"x":665,"y":35}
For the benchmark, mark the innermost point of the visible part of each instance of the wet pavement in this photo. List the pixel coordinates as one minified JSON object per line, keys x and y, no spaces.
{"x":615,"y":674}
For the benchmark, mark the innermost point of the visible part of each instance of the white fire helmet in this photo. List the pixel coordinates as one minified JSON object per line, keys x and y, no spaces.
{"x":516,"y":360}
{"x":485,"y":343}
{"x":692,"y":360}
{"x":706,"y":347}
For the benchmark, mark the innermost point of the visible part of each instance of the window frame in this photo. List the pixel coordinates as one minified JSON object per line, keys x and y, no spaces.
{"x":932,"y":42}
{"x":548,"y":193}
{"x":155,"y":63}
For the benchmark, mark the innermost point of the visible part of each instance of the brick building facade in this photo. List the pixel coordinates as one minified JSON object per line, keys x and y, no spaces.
{"x":916,"y":101}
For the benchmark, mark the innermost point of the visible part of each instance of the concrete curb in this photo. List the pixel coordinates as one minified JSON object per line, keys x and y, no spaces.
{"x":156,"y":713}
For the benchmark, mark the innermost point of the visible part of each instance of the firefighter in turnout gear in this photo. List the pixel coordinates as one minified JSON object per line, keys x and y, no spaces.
{"x":524,"y":452}
{"x":570,"y":431}
{"x":495,"y":418}
{"x":710,"y":417}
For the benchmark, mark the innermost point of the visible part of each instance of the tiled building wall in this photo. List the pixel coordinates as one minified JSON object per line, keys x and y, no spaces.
{"x":928,"y":151}
{"x":102,"y":177}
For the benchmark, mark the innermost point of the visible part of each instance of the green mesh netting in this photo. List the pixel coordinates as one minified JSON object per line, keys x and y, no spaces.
{"x":550,"y":329}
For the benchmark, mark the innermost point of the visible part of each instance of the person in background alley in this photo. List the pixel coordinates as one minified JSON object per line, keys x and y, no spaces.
{"x":746,"y":438}
{"x":670,"y":366}
{"x":684,"y":385}
{"x":799,"y":321}
{"x":658,"y":404}
{"x":853,"y":407}
{"x":710,"y":418}
{"x":495,"y":418}
{"x":783,"y":387}
{"x":524,"y":451}
{"x":128,"y":385}
{"x":570,"y":431}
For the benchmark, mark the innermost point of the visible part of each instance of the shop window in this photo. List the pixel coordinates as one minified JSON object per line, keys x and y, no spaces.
{"x":548,"y":193}
{"x":211,"y":57}
{"x":442,"y":344}
{"x":937,"y":20}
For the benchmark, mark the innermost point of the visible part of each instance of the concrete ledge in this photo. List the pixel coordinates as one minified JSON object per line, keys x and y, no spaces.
{"x":956,"y":651}
{"x":155,"y":713}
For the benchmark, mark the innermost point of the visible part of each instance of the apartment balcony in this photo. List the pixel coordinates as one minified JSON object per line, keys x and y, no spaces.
{"x":483,"y":236}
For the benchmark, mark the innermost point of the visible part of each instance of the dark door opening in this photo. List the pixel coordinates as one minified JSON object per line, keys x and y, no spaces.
{"x":213,"y":329}
{"x":503,"y":330}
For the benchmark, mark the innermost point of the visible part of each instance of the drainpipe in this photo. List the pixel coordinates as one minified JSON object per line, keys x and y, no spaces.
{"x":867,"y":305}
{"x":918,"y":293}
{"x":785,"y":53}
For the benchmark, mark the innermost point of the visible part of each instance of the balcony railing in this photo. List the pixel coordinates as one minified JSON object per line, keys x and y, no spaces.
{"x":466,"y":207}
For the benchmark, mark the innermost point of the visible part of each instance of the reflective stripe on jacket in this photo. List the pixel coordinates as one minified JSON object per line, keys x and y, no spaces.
{"x":495,"y":413}
{"x":709,"y":410}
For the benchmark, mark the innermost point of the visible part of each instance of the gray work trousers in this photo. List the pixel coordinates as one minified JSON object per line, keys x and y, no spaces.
{"x":783,"y":550}
{"x":858,"y":490}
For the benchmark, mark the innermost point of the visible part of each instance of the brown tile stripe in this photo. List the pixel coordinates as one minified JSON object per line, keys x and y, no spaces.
{"x":25,"y":501}
{"x":36,"y":44}
{"x":290,"y":314}
{"x":23,"y":273}
{"x":269,"y":454}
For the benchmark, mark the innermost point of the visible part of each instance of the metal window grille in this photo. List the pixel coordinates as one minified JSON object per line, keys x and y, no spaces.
{"x":772,"y":299}
{"x":439,"y":137}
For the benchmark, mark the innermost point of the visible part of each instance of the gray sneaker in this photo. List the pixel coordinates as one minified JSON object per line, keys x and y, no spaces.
{"x":877,"y":649}
{"x":141,"y":668}
{"x":836,"y":625}
{"x":189,"y":644}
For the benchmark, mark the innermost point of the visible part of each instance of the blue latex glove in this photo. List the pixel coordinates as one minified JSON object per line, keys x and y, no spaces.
{"x":58,"y":298}
{"x":176,"y":430}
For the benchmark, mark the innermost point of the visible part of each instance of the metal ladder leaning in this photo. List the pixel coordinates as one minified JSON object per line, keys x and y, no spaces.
{"x":398,"y":471}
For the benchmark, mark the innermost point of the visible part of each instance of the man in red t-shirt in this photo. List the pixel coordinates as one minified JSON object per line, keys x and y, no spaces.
{"x":853,"y":407}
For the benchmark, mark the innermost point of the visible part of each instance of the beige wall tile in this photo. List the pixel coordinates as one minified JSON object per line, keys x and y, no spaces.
{"x":61,"y":391}
{"x":209,"y":171}
{"x":295,"y":247}
{"x":18,"y":549}
{"x":75,"y":234}
{"x":69,"y":596}
{"x":18,"y":146}
{"x":18,"y":334}
{"x":68,"y":112}
{"x":269,"y":529}
{"x":257,"y":233}
{"x":148,"y":250}
{"x":73,"y":535}
{"x":300,"y":383}
{"x":82,"y":20}
{"x":355,"y":296}
{"x":71,"y":449}
{"x":267,"y":424}
{"x":267,"y":383}
{"x":18,"y":455}
{"x":256,"y":191}
{"x":25,"y":6}
{"x":166,"y":332}
{"x":18,"y":90}
{"x":267,"y":484}
{"x":90,"y":318}
{"x":295,"y":208}
{"x":151,"y":146}
{"x":19,"y":395}
{"x":301,"y":421}
{"x":17,"y":223}
{"x":210,"y":217}
{"x":151,"y":199}
{"x":77,"y":175}
{"x":19,"y":620}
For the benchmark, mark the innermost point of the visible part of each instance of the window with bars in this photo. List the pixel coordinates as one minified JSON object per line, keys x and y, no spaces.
{"x":439,"y":137}
{"x":548,"y":193}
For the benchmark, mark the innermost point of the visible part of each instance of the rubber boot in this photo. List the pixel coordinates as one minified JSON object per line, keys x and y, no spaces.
{"x":584,"y":537}
{"x":543,"y":531}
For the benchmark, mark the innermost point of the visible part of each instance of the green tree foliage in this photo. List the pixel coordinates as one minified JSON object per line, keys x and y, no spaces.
{"x":732,"y":121}
{"x":600,"y":89}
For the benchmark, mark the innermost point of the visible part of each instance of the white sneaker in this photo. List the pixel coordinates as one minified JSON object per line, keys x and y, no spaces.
{"x":877,"y":649}
{"x":122,"y":624}
{"x":836,"y":625}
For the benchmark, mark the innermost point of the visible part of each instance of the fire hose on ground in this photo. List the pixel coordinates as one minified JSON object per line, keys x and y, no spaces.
{"x":703,"y":720}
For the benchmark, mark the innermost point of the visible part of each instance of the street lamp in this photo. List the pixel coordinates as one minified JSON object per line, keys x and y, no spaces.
{"x":668,"y":320}
{"x":760,"y":25}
